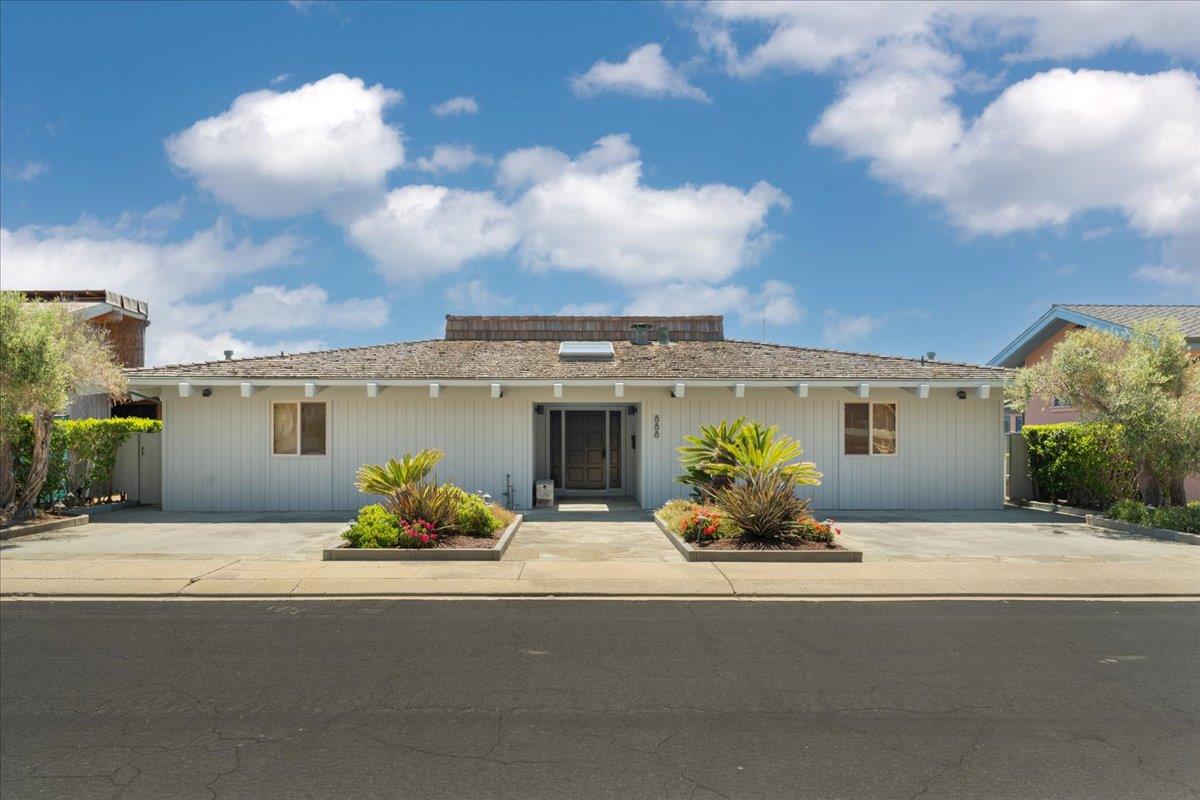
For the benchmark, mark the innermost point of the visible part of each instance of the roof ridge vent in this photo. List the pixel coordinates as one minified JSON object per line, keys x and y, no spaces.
{"x":585,"y":351}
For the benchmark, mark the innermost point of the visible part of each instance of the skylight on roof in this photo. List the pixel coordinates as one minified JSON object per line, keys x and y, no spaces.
{"x":585,"y":351}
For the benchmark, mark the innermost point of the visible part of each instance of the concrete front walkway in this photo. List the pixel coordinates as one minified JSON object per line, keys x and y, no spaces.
{"x":604,"y":529}
{"x":148,"y":531}
{"x":1005,"y":534}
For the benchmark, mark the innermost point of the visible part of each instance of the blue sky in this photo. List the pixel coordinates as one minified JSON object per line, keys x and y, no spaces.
{"x":899,"y":179}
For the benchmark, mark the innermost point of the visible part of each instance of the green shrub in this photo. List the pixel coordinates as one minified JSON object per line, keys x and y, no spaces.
{"x":375,"y":527}
{"x":764,"y":505}
{"x":83,"y":453}
{"x":1083,"y":464}
{"x":426,"y":501}
{"x":814,"y":531}
{"x":1175,"y":518}
{"x":473,"y":517}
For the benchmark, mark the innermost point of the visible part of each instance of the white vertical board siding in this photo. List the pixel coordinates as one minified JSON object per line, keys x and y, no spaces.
{"x":950,"y":451}
{"x":217,"y":450}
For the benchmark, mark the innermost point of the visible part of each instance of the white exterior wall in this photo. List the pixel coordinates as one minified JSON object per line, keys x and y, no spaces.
{"x":217,"y":450}
{"x":950,"y":452}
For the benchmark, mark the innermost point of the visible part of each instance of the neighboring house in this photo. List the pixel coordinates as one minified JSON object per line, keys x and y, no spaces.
{"x":1039,"y":339}
{"x":596,"y":404}
{"x":124,"y":320}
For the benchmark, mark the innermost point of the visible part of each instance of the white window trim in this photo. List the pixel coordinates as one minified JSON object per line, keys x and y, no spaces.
{"x":870,"y":428}
{"x":297,"y":454}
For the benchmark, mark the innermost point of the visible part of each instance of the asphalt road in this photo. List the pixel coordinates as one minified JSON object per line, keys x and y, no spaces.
{"x":560,"y":699}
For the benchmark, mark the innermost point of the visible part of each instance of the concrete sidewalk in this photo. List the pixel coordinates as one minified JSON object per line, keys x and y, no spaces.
{"x":240,"y":577}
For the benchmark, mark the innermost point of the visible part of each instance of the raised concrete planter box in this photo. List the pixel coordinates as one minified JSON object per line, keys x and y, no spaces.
{"x":777,"y":556}
{"x":1157,"y":533}
{"x":31,"y":528}
{"x":493,"y":553}
{"x":100,"y":509}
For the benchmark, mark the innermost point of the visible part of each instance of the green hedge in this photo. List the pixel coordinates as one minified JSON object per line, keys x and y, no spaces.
{"x":1080,"y":463}
{"x":1176,"y":518}
{"x":83,"y":453}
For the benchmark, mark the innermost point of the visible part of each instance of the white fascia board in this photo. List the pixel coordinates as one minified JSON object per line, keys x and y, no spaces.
{"x":597,"y":383}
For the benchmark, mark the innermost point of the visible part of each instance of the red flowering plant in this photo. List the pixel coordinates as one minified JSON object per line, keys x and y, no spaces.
{"x":700,"y":524}
{"x":417,"y":533}
{"x":816,"y":531}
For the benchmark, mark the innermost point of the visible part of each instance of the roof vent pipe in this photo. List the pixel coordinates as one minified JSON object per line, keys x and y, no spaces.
{"x":664,"y":335}
{"x":640,"y":333}
{"x":229,"y":355}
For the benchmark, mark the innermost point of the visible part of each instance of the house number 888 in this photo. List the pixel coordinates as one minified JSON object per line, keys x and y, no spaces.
{"x":656,"y":426}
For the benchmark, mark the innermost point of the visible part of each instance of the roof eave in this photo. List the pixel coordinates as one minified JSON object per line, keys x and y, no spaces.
{"x":1014,"y":354}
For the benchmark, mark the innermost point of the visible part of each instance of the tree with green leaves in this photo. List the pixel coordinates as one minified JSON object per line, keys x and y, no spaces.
{"x":1148,"y":384}
{"x":46,"y":357}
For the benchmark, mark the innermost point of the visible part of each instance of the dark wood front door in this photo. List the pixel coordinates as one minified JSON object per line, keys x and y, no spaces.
{"x":585,"y":450}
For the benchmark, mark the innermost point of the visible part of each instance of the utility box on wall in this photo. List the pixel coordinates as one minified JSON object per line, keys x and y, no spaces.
{"x":543,"y":492}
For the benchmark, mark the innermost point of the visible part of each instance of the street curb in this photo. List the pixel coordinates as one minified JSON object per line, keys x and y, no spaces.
{"x":1051,"y":508}
{"x":893,"y":596}
{"x":759,"y":556}
{"x":1157,"y":533}
{"x":42,"y":527}
{"x":493,"y":553}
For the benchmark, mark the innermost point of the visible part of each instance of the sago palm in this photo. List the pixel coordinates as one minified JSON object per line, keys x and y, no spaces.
{"x":759,"y":449}
{"x":704,"y":457}
{"x":395,"y":476}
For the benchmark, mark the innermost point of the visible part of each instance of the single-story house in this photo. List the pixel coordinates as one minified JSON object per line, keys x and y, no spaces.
{"x":598,"y":405}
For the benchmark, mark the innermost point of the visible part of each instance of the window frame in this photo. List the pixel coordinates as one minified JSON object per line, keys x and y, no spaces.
{"x":870,"y":428}
{"x":299,"y":424}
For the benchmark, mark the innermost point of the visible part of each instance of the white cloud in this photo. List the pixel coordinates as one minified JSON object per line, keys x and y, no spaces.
{"x":165,"y":274}
{"x":174,"y":276}
{"x":427,"y":230}
{"x":452,"y":158}
{"x":276,"y":308}
{"x":280,"y":78}
{"x":277,"y":154}
{"x":596,"y":309}
{"x":1065,"y":271}
{"x":27,"y":172}
{"x":477,"y":297}
{"x":594,"y":214}
{"x":1097,"y":233}
{"x":815,"y":37}
{"x":646,"y":73}
{"x":843,"y":329}
{"x":1032,"y":157}
{"x":775,"y":302}
{"x":455,"y":105}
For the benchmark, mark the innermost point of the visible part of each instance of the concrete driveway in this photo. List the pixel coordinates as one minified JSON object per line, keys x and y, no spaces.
{"x":1006,"y":534}
{"x":147,"y":531}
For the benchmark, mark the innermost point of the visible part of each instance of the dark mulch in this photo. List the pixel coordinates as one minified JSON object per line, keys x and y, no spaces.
{"x":461,"y":542}
{"x":744,"y":543}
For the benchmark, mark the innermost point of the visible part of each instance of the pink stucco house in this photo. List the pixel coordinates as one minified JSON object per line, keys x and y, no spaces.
{"x":1039,"y":339}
